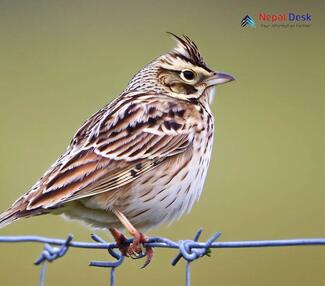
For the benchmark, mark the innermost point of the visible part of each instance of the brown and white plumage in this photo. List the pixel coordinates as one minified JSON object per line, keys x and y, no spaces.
{"x":143,"y":157}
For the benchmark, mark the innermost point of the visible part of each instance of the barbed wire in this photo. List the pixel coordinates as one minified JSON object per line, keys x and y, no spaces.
{"x":189,"y":250}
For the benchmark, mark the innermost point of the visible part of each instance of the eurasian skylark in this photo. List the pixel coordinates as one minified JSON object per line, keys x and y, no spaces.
{"x":142,"y":159}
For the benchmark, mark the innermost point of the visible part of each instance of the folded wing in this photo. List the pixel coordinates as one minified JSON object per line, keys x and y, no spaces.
{"x":113,"y":148}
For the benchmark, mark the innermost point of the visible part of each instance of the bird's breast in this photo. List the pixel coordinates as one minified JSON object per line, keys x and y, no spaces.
{"x":170,"y":190}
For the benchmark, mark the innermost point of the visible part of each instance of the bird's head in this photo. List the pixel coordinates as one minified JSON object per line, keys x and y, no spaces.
{"x":180,"y":73}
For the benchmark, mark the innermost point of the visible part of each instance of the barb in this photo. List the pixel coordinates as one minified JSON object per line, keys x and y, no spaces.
{"x":189,"y":250}
{"x":51,"y":253}
{"x":190,"y":253}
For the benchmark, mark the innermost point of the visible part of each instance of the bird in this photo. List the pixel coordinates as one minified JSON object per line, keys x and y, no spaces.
{"x":141,"y":160}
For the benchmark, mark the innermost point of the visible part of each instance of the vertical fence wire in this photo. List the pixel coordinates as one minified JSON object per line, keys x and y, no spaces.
{"x":188,"y":274}
{"x":42,"y":273}
{"x":112,"y":276}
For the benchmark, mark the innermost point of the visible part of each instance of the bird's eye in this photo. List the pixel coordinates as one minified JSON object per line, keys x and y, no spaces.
{"x":188,"y":75}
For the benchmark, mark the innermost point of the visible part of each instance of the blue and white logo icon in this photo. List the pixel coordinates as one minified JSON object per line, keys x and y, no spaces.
{"x":248,"y":21}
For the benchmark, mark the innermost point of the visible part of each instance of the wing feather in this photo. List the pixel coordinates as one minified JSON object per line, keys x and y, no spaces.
{"x":115,"y":149}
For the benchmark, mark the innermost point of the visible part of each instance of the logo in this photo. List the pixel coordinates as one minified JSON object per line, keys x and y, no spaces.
{"x":248,"y":21}
{"x":278,"y":20}
{"x":292,"y":17}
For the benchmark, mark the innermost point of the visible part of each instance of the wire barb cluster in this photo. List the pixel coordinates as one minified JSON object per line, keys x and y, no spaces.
{"x":189,"y":250}
{"x":190,"y":253}
{"x":51,"y":253}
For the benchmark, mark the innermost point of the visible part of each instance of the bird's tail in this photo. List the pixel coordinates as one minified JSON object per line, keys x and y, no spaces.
{"x":17,"y":211}
{"x":8,"y":217}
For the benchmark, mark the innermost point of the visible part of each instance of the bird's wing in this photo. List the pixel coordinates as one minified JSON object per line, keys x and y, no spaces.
{"x":115,"y":147}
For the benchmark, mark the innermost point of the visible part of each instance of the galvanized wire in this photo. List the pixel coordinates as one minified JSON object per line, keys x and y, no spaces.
{"x":189,"y":250}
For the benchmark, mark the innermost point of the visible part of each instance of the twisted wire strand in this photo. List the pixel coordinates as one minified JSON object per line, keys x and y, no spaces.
{"x":189,"y":250}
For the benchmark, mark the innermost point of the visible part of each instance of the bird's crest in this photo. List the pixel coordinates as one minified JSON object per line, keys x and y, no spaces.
{"x":188,"y":51}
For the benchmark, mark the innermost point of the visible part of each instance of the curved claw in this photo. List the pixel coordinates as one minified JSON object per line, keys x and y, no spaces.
{"x":136,"y":248}
{"x":149,"y":255}
{"x":135,"y":254}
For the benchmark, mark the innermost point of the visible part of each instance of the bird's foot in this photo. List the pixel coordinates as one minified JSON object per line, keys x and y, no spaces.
{"x":136,"y":249}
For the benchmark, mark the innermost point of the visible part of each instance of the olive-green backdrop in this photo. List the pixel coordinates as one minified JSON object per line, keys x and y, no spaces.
{"x":60,"y":61}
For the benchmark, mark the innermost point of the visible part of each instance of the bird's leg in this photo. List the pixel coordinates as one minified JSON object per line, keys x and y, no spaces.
{"x":121,"y":240}
{"x":134,"y":250}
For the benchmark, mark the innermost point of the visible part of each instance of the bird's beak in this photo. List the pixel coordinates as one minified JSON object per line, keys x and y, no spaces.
{"x":219,"y":78}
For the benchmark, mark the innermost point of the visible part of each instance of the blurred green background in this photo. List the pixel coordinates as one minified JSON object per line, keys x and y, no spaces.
{"x":60,"y":61}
